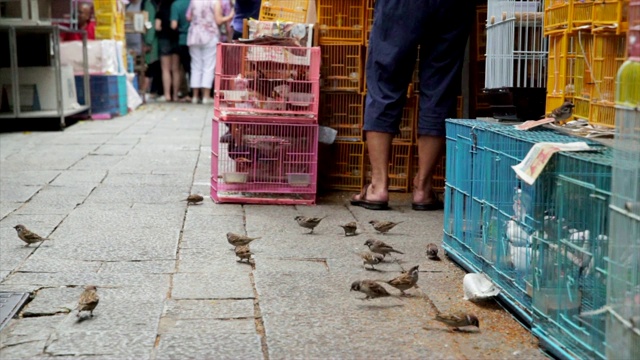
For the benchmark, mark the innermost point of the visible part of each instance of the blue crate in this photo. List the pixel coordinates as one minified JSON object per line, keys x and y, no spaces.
{"x":108,"y":93}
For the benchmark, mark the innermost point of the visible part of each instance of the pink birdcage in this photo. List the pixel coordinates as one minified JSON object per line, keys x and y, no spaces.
{"x":273,"y":82}
{"x":264,"y":162}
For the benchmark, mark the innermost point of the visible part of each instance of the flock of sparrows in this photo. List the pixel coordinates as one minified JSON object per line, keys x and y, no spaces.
{"x":378,"y":250}
{"x":88,"y":299}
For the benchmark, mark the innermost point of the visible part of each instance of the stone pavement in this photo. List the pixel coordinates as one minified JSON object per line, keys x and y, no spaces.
{"x":108,"y":195}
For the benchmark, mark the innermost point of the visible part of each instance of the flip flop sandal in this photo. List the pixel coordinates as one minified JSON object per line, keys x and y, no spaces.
{"x":369,"y":204}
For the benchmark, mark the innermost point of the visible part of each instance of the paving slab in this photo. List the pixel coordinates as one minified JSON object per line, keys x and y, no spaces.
{"x":113,"y":344}
{"x":209,"y":309}
{"x":212,"y":286}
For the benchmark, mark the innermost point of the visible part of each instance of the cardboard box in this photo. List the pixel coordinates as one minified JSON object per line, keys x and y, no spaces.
{"x":102,"y":54}
{"x":135,"y":22}
{"x":44,"y":81}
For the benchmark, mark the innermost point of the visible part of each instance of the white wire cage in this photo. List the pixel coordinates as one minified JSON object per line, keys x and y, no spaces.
{"x":516,"y":58}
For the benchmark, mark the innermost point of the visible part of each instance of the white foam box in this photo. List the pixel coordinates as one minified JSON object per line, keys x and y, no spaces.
{"x":102,"y":56}
{"x":44,"y":78}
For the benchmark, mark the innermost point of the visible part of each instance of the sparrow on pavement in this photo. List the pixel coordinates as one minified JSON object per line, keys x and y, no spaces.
{"x":349,"y":228}
{"x":458,"y":320}
{"x":383,"y":227}
{"x":194,"y":199}
{"x":88,"y":300}
{"x":370,"y":258}
{"x":432,"y":251}
{"x":27,"y":236}
{"x":562,"y":113}
{"x":380,"y":247}
{"x":308,"y":222}
{"x":243,"y":252}
{"x":239,"y":240}
{"x":406,"y":280}
{"x":370,"y":288}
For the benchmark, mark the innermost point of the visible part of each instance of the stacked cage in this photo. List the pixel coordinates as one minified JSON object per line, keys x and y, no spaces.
{"x":515,"y":76}
{"x":265,"y":127}
{"x":586,"y":49}
{"x":110,"y":21}
{"x":479,"y":105}
{"x":545,"y":245}
{"x":623,"y":287}
{"x":342,"y":26}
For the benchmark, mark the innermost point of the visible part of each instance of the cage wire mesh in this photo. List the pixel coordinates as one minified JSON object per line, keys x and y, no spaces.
{"x":623,"y":287}
{"x":516,"y":46}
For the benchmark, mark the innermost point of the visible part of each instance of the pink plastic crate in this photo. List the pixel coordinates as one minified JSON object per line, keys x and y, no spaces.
{"x":264,"y":163}
{"x":633,"y":36}
{"x":268,"y":81}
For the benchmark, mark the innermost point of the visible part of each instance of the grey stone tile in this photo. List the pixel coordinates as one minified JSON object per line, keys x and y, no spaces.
{"x":17,"y":192}
{"x":181,"y":180}
{"x":53,"y":300}
{"x":151,"y":281}
{"x":115,"y":344}
{"x":140,"y":267}
{"x":212,"y":261}
{"x":93,"y":176}
{"x":130,"y":195}
{"x":24,"y":350}
{"x":208,"y":309}
{"x":43,"y":263}
{"x":99,"y":162}
{"x":112,"y":149}
{"x":24,"y":330}
{"x":7,"y":207}
{"x":28,"y":177}
{"x":210,"y":286}
{"x":209,"y":346}
{"x":3,"y":274}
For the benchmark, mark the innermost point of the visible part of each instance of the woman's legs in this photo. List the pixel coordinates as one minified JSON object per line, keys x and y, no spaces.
{"x":165,"y":63}
{"x":209,"y":68}
{"x":176,"y":75}
{"x":197,"y":63}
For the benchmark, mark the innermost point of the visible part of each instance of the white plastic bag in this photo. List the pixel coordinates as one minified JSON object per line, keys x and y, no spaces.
{"x":478,"y":287}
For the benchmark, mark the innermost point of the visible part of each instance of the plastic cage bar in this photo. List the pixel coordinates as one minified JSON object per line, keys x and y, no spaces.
{"x":345,"y":170}
{"x":264,"y":163}
{"x":344,"y":113}
{"x":269,"y":81}
{"x":557,"y":15}
{"x":341,"y":21}
{"x":611,"y":15}
{"x":559,"y":82}
{"x":284,"y":10}
{"x":342,"y":67}
{"x":608,"y":55}
{"x":581,"y":13}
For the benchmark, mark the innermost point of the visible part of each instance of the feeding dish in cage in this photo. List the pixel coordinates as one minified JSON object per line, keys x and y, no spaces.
{"x":235,"y":177}
{"x":299,"y":180}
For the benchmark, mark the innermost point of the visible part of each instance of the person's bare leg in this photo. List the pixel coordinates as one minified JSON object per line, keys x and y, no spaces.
{"x":196,"y":93}
{"x":165,"y":64}
{"x":176,"y":75}
{"x":379,"y":146}
{"x":430,"y":150}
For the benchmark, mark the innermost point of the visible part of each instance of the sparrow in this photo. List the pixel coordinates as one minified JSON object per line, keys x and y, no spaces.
{"x":406,"y":280}
{"x":27,"y":236}
{"x":562,"y":113}
{"x":308,"y":222}
{"x":432,"y":251}
{"x":370,"y":258}
{"x":243,"y":252}
{"x":383,"y":226}
{"x":88,"y":300}
{"x":380,"y":247}
{"x":458,"y":320}
{"x":239,"y":240}
{"x":349,"y":228}
{"x":370,"y":288}
{"x":194,"y":199}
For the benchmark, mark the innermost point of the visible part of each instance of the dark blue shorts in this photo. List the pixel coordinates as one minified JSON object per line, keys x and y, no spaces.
{"x":441,"y":29}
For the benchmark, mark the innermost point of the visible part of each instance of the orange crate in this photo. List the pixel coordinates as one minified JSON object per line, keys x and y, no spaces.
{"x":341,"y":21}
{"x":343,"y":112}
{"x":399,"y":167}
{"x":368,"y":19}
{"x":557,"y":71}
{"x":437,"y":179}
{"x":284,"y":10}
{"x":633,"y":37}
{"x":342,"y":68}
{"x":581,"y":46}
{"x":611,"y":15}
{"x":581,"y":13}
{"x":609,"y":52}
{"x":347,"y":166}
{"x":106,"y":6}
{"x":556,"y":16}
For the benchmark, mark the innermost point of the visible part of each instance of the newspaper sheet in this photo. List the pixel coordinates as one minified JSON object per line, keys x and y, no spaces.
{"x":538,"y":157}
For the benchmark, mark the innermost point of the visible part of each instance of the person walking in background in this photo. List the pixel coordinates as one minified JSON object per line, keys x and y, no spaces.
{"x":168,"y":48}
{"x":150,"y":49}
{"x":180,"y":23}
{"x":244,"y":9}
{"x":226,"y":30}
{"x":205,"y":17}
{"x":441,"y":29}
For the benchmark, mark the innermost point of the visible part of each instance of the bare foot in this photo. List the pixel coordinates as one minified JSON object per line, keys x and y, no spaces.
{"x":372,"y":193}
{"x":422,"y":194}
